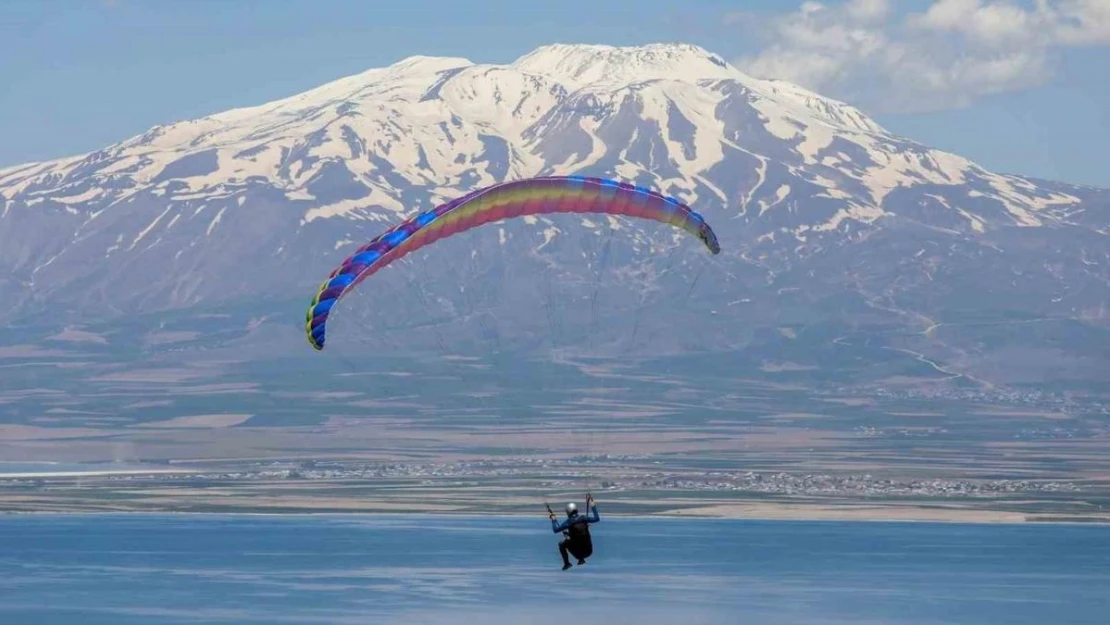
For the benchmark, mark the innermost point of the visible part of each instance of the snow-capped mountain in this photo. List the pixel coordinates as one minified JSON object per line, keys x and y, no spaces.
{"x":815,"y":204}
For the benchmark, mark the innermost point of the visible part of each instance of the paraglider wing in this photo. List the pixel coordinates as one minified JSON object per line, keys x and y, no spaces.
{"x":550,"y":194}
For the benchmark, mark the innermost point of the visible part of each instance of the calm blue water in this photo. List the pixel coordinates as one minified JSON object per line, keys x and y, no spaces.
{"x":434,"y":570}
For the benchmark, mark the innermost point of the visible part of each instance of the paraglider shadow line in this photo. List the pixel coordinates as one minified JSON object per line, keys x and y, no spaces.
{"x":419,"y":286}
{"x":643,"y":299}
{"x":601,"y":267}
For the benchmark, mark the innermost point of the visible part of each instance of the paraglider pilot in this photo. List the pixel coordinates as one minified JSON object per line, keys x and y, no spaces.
{"x":577,"y":531}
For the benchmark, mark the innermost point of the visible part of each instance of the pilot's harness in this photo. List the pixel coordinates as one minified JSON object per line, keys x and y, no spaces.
{"x":551,"y":513}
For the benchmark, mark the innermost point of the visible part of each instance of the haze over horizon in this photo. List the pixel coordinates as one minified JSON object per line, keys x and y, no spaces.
{"x":1010,"y":85}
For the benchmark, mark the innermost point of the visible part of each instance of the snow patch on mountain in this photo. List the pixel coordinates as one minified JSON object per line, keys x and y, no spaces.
{"x":371,"y":148}
{"x":834,"y":112}
{"x":580,"y":65}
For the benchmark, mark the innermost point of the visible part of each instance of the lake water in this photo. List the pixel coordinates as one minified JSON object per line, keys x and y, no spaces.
{"x":124,"y":569}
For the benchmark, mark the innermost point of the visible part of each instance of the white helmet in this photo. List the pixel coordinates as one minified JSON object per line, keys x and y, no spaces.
{"x":571,"y":508}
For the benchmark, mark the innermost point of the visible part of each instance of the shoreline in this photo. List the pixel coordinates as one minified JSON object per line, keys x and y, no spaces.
{"x":105,"y":473}
{"x":1002,"y":518}
{"x":511,"y":491}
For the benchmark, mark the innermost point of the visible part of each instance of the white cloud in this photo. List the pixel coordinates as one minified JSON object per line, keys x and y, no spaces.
{"x":948,"y":55}
{"x":1083,"y":22}
{"x":868,"y":11}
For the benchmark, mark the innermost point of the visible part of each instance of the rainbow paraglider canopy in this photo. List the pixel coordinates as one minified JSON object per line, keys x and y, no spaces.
{"x":533,"y":196}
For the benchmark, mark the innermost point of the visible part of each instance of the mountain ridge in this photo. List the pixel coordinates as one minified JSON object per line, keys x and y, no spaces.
{"x":800,"y":189}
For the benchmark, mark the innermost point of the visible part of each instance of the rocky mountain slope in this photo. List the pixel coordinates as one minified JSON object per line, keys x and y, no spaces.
{"x":834,"y":231}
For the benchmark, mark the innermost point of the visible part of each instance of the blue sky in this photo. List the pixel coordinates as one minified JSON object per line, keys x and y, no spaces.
{"x":1015,"y":88}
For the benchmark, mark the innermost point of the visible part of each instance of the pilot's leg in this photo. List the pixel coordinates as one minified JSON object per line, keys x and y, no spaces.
{"x":563,"y":545}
